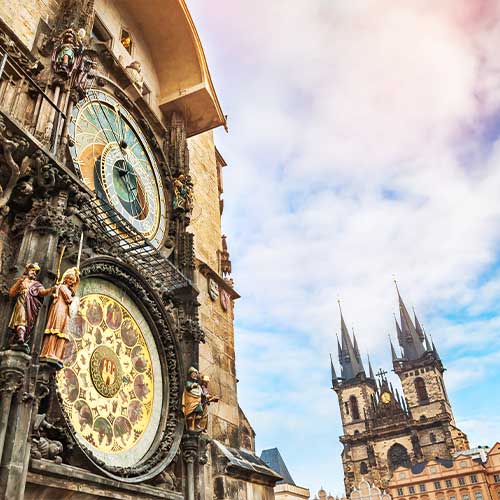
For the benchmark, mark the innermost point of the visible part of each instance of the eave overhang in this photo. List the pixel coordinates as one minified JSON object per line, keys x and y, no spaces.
{"x":184,"y":78}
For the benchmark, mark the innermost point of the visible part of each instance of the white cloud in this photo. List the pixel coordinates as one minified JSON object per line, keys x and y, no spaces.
{"x":361,"y":147}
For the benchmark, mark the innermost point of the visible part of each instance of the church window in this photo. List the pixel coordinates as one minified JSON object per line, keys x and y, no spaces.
{"x":478,"y":495}
{"x":400,"y":492}
{"x":398,"y":455}
{"x":465,"y":496}
{"x":353,"y":403}
{"x":473,"y":478}
{"x":461,"y":481}
{"x":421,"y":390}
{"x":346,"y":406}
{"x":453,"y":497}
{"x":126,"y":40}
{"x":496,"y":478}
{"x":421,"y":487}
{"x":449,"y":484}
{"x":411,"y":490}
{"x":432,"y":437}
{"x":363,"y":468}
{"x":437,"y":485}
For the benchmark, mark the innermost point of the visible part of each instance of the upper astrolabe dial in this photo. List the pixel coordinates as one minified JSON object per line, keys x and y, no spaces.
{"x":112,"y":155}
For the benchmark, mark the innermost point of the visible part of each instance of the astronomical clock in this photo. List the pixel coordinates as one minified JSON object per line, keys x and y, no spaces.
{"x":113,"y":157}
{"x":119,"y":386}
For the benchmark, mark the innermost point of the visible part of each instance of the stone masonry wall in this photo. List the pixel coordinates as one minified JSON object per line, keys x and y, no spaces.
{"x":23,"y":17}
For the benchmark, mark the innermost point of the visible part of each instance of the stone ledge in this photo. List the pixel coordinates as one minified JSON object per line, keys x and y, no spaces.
{"x":49,"y":480}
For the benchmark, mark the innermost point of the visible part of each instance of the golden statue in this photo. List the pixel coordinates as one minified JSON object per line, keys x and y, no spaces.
{"x":56,"y":333}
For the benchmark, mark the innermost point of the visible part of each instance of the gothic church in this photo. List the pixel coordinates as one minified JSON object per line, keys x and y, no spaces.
{"x":383,"y":429}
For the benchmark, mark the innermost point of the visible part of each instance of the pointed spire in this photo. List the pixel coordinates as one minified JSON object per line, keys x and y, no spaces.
{"x":398,"y":331}
{"x":350,"y":362}
{"x":370,"y":369}
{"x":418,"y":327}
{"x":339,"y":350}
{"x":393,"y":352}
{"x":334,"y":375}
{"x":434,"y":350}
{"x":412,"y":345}
{"x":428,"y":346}
{"x":356,"y":348}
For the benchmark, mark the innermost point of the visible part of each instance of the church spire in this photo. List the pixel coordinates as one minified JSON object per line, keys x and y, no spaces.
{"x":418,"y":327}
{"x":370,"y":369}
{"x":393,"y":352}
{"x":410,"y":340}
{"x":349,"y":358}
{"x":334,"y":375}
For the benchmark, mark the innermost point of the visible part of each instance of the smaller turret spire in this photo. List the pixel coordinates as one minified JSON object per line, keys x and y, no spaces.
{"x":393,"y":352}
{"x":418,"y":327}
{"x":370,"y":369}
{"x":334,"y":375}
{"x":428,"y":346}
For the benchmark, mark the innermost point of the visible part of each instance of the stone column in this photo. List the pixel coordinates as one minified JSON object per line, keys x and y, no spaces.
{"x":39,"y":244}
{"x":190,"y":455}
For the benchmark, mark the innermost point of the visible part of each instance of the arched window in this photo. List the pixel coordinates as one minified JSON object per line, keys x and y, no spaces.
{"x":363,"y":468}
{"x":398,"y":455}
{"x":346,"y":406}
{"x":421,"y":390}
{"x":433,"y":437}
{"x":353,"y":403}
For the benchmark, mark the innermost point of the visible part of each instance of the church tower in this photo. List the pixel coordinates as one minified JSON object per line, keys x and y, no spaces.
{"x":356,"y":394}
{"x":421,"y":370}
{"x":383,"y":429}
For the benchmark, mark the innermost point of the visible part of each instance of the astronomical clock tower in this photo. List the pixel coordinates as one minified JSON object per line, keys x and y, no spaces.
{"x":100,"y":390}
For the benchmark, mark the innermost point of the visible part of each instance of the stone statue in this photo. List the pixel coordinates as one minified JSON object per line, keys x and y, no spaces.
{"x":183,"y":193}
{"x":134,"y":72}
{"x":191,"y":400}
{"x":41,"y":446}
{"x":56,"y":331}
{"x":67,"y":52}
{"x":27,"y":290}
{"x":206,"y":400}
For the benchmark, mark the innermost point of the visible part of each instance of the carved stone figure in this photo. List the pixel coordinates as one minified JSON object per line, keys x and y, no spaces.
{"x":42,"y":446}
{"x":134,"y":72}
{"x":27,"y":290}
{"x":56,"y":330}
{"x":183,"y":193}
{"x":67,"y":51}
{"x":191,"y":400}
{"x":206,"y":400}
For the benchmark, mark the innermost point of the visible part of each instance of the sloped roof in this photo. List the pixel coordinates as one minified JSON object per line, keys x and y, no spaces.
{"x":274,"y":460}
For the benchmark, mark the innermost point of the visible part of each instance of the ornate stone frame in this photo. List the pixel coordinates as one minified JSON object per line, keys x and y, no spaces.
{"x":169,"y":435}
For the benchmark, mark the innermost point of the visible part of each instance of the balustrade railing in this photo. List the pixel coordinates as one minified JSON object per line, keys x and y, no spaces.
{"x":37,"y":107}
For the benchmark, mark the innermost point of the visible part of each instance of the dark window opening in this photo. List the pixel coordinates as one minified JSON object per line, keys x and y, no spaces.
{"x":100,"y":32}
{"x":363,"y":468}
{"x":421,"y":390}
{"x":433,"y":437}
{"x":353,"y":403}
{"x":398,"y":456}
{"x":346,"y":406}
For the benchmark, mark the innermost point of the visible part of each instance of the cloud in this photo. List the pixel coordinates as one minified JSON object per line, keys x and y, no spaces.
{"x":363,"y":145}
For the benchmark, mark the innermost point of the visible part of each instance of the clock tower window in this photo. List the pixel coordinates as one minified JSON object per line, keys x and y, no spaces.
{"x":353,"y":402}
{"x":421,"y":389}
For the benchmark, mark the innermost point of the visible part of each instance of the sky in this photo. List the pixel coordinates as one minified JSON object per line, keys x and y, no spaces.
{"x":363,"y":145}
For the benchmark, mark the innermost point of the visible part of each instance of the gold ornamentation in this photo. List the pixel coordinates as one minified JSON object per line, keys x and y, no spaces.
{"x":107,"y":384}
{"x":386,"y":397}
{"x":106,"y":371}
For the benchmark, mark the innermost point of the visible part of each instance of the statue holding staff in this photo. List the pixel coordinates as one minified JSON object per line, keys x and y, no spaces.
{"x":28,"y":292}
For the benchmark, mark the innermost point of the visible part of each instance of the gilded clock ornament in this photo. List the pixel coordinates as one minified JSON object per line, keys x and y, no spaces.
{"x":386,"y":397}
{"x":111,"y":383}
{"x":113,"y":157}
